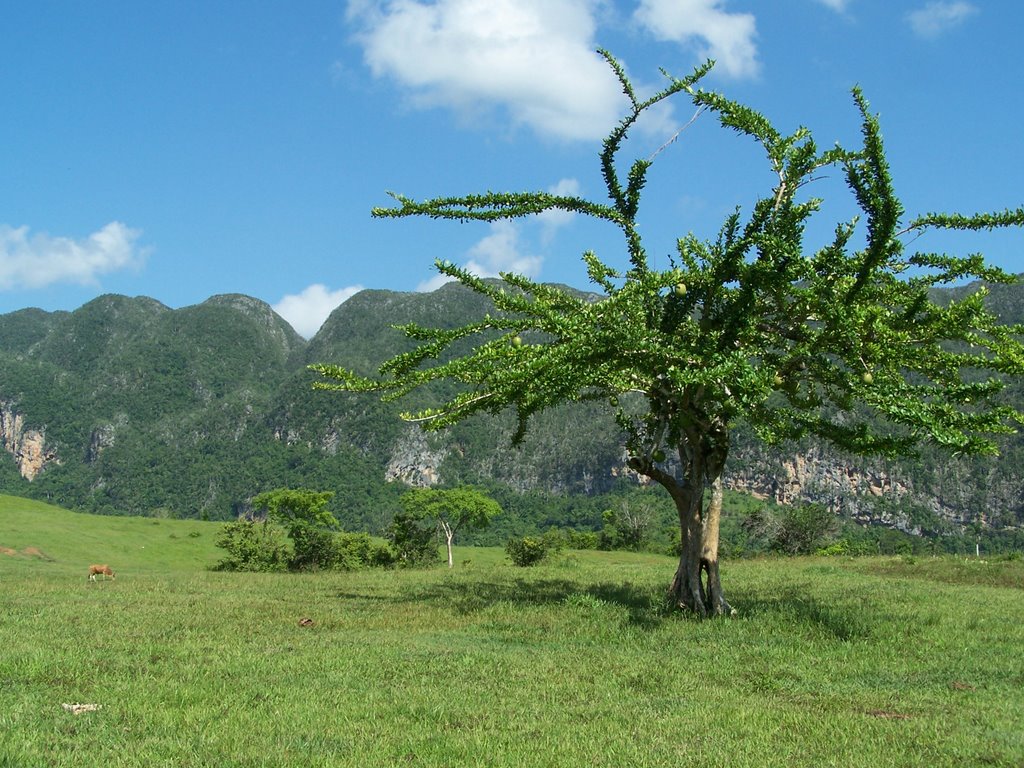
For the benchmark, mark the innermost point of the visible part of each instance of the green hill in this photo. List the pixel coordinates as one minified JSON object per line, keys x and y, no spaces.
{"x":44,"y":537}
{"x":128,"y":407}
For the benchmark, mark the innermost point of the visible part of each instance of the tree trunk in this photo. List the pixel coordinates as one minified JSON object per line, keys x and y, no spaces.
{"x":697,"y":585}
{"x":703,"y":448}
{"x":449,"y":534}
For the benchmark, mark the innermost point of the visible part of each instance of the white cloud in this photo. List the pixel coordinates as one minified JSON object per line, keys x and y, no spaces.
{"x":836,"y":5}
{"x":535,"y":59}
{"x":939,"y":16}
{"x":431,"y":285}
{"x":38,"y":260}
{"x":498,"y":252}
{"x":556,"y":219}
{"x":306,"y":311}
{"x":726,"y":37}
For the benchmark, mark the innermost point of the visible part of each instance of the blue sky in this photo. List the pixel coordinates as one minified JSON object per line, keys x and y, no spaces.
{"x":181,"y":150}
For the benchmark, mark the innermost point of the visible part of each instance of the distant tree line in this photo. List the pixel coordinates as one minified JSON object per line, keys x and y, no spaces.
{"x":294,"y":530}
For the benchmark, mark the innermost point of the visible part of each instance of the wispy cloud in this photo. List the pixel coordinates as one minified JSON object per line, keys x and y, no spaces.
{"x":306,"y":311}
{"x":552,"y":221}
{"x":500,"y":251}
{"x":940,"y":16}
{"x":729,"y":38}
{"x":433,"y":283}
{"x":38,"y":260}
{"x":839,"y":6}
{"x":534,"y":59}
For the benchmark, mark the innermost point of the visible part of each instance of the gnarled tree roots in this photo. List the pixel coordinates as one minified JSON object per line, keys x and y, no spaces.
{"x":698,"y":588}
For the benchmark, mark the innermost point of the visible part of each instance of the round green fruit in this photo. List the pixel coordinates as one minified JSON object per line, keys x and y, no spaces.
{"x":517,"y":341}
{"x":680,"y":289}
{"x":867,"y":378}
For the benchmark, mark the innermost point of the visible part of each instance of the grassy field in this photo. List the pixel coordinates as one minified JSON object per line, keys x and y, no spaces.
{"x":829,"y":662}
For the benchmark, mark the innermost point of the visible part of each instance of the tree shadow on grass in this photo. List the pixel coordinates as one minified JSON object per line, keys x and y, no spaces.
{"x":846,"y":620}
{"x":645,"y":606}
{"x":850,"y":618}
{"x":792,"y":609}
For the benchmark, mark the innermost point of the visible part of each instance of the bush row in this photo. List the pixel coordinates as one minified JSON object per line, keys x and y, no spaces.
{"x":262,"y":546}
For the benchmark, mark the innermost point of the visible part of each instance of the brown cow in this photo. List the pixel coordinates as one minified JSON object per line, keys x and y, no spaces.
{"x":104,"y":570}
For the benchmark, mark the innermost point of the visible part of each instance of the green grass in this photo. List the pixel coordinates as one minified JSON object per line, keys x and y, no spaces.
{"x":39,"y":532}
{"x":829,"y":662}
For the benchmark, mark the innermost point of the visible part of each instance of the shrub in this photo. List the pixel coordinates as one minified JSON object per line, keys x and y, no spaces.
{"x":581,"y":539}
{"x":893,"y":542}
{"x":351,"y":550}
{"x":414,"y":543}
{"x":528,"y":550}
{"x":358,"y":550}
{"x":760,"y":526}
{"x":314,"y":548}
{"x":554,"y":540}
{"x":252,"y":547}
{"x":382,"y":556}
{"x":628,"y":527}
{"x":793,"y":530}
{"x":804,"y":527}
{"x":262,"y":546}
{"x":835,"y":549}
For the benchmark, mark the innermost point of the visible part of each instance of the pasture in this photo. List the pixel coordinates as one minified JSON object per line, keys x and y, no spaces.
{"x":842,"y":662}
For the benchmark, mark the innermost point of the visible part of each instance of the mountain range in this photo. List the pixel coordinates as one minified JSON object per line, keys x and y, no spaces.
{"x":126,"y":406}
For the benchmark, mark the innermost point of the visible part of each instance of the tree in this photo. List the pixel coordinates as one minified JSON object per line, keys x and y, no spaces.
{"x":304,"y":515}
{"x":252,"y":546}
{"x":797,"y":529}
{"x":529,"y":550}
{"x":414,"y":543}
{"x":450,"y":510}
{"x":629,"y":527}
{"x":844,"y":342}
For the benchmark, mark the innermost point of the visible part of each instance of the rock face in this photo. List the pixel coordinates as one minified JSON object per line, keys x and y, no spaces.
{"x":413,"y":460}
{"x":814,"y":474}
{"x":102,"y":437}
{"x":863,"y":489}
{"x":27,"y":446}
{"x":868,"y":491}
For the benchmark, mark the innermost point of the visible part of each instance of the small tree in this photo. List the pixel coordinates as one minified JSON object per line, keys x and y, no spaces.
{"x":450,"y":510}
{"x":843,"y":342}
{"x":527,"y":551}
{"x":797,"y":529}
{"x":804,"y":528}
{"x":252,"y":546}
{"x":414,"y":543}
{"x":628,"y":527}
{"x":308,"y":522}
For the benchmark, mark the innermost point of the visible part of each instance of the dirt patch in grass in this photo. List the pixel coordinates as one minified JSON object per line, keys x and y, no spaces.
{"x":26,"y":552}
{"x":887,"y":715}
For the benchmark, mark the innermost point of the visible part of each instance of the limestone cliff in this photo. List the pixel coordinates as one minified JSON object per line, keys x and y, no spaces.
{"x":27,"y":446}
{"x":863,"y":489}
{"x":414,"y":460}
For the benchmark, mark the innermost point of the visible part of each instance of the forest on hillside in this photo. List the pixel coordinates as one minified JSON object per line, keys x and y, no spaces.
{"x":144,"y":410}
